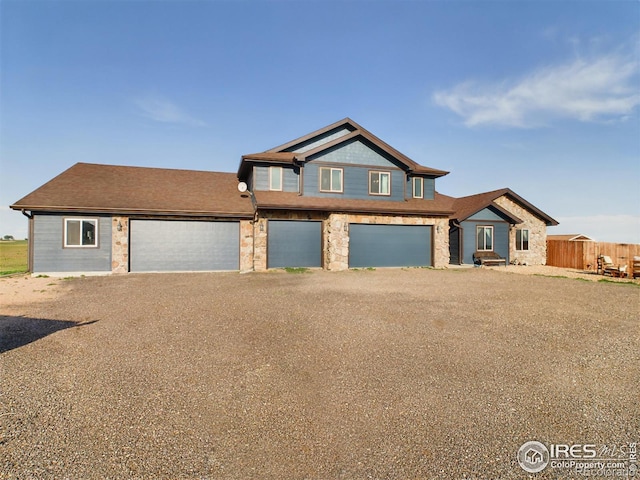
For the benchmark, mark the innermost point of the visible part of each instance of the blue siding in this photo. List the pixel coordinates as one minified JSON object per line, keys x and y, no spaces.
{"x":389,"y":245}
{"x":50,"y":256}
{"x":355,"y":183}
{"x":260,"y":178}
{"x":486,"y":214}
{"x":500,"y":239}
{"x":428,"y":187}
{"x":289,"y":179}
{"x":319,"y":140}
{"x":355,"y":152}
{"x":294,"y":243}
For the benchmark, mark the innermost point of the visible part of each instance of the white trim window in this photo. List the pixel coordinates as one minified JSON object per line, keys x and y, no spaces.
{"x":379,"y":183}
{"x":484,"y":235}
{"x":418,"y":187}
{"x":275,"y":179}
{"x":80,"y":232}
{"x":331,"y":179}
{"x":522,"y":239}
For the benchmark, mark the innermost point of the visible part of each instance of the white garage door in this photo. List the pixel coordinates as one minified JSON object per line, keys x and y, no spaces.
{"x":179,"y":246}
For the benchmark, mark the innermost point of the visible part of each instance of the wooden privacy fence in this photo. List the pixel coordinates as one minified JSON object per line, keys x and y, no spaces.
{"x":584,"y":255}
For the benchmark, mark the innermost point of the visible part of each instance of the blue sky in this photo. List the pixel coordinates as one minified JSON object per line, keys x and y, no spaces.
{"x":542,"y":97}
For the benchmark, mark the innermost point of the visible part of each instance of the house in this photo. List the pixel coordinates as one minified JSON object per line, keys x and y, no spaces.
{"x":500,"y":221}
{"x":336,"y":198}
{"x":571,"y":237}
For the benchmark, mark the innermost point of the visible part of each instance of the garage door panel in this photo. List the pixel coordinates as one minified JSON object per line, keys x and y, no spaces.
{"x":165,"y":246}
{"x":389,"y":245}
{"x":294,"y":243}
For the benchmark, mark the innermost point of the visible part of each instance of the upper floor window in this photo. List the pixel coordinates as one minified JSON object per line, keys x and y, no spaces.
{"x":80,"y":232}
{"x":485,"y":238}
{"x":275,"y":178}
{"x":331,"y":179}
{"x":522,"y":239}
{"x":418,"y":184}
{"x":379,"y":183}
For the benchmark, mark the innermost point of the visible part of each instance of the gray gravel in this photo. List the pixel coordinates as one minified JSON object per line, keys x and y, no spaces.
{"x":388,"y":374}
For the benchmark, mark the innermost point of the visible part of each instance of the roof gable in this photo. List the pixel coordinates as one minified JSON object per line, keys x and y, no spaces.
{"x":331,"y":136}
{"x":355,"y":151}
{"x":465,"y":207}
{"x":319,"y":140}
{"x":493,"y":212}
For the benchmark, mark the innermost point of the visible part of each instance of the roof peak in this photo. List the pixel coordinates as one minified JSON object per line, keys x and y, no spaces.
{"x":355,"y":131}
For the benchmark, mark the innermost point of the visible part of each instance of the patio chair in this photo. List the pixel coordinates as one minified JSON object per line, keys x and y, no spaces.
{"x":636,"y":267}
{"x":606,"y":265}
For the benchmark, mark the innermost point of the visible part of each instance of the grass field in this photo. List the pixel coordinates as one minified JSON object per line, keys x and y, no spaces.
{"x":13,"y":257}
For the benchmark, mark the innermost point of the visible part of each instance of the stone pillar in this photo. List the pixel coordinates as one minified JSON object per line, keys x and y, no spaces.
{"x":336,"y":245}
{"x":246,"y":245}
{"x":441,"y":243}
{"x":260,"y":245}
{"x":119,"y":245}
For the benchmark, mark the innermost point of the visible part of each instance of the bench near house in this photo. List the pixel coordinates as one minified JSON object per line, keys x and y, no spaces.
{"x":336,"y":198}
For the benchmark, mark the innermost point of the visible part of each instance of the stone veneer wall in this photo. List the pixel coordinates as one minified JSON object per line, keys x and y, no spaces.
{"x":537,"y":253}
{"x":335,"y":241}
{"x":253,"y":240}
{"x":246,"y":245}
{"x":119,"y":245}
{"x":336,"y":246}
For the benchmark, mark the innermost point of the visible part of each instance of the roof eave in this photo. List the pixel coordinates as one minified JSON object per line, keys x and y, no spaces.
{"x":429,"y":172}
{"x":376,"y":211}
{"x":131,"y":211}
{"x":256,"y":158}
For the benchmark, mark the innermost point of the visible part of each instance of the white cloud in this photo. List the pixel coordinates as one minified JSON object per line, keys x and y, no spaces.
{"x":599,"y":89}
{"x":162,"y":110}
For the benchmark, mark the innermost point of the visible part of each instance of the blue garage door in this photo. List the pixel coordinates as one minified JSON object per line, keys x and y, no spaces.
{"x":389,"y":245}
{"x":294,"y":243}
{"x":179,"y":246}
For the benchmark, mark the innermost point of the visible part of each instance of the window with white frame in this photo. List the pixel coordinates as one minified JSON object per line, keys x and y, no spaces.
{"x":418,"y":186}
{"x":331,"y":179}
{"x":379,"y":183}
{"x":522,"y":239}
{"x":275,"y":178}
{"x":485,"y":238}
{"x":80,"y":232}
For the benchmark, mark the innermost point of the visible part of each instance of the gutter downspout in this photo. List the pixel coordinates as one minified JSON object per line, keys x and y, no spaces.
{"x":254,"y":203}
{"x":29,"y":239}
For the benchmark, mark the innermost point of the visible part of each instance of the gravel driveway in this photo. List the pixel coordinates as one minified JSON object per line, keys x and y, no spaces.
{"x":381,"y":374}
